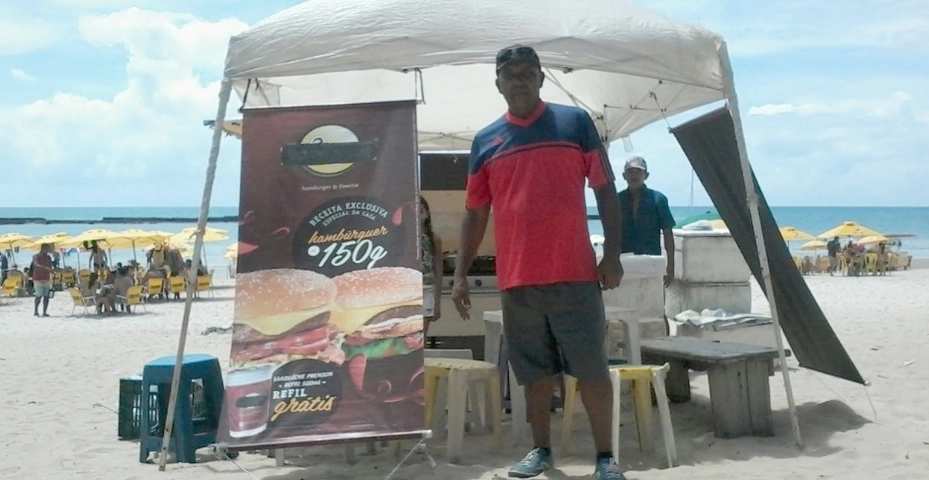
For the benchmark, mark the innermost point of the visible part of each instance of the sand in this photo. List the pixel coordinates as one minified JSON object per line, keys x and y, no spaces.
{"x":60,"y":385}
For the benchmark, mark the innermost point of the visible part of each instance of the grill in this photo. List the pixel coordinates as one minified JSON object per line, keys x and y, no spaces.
{"x":483,"y":266}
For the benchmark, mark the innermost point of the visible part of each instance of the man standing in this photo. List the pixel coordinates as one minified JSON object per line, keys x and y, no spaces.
{"x":531,"y":166}
{"x":41,"y":270}
{"x":4,"y":266}
{"x":833,"y":250}
{"x":646,"y":217}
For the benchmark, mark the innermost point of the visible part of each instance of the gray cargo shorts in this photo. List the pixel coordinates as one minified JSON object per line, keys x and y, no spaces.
{"x":556,"y":328}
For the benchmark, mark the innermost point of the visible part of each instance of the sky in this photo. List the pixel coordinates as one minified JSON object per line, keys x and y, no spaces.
{"x":103,"y":101}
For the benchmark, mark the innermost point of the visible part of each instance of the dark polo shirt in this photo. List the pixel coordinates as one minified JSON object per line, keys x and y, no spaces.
{"x":642,"y":231}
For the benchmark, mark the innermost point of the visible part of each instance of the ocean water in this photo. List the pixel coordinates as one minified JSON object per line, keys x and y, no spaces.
{"x":816,"y":220}
{"x":213,"y":251}
{"x":813,"y":220}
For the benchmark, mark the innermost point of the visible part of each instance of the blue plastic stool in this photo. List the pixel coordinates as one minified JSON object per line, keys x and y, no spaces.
{"x":189,"y":433}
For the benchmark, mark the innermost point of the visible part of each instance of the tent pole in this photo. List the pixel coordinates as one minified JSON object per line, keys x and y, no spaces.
{"x":753,"y":206}
{"x":224,"y":93}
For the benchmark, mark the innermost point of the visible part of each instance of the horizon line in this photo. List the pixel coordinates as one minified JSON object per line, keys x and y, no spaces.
{"x":589,"y":206}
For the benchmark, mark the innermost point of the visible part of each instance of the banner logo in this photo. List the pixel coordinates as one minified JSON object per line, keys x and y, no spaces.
{"x":329,"y":134}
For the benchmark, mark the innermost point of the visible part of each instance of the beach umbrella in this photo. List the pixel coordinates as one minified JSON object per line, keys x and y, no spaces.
{"x":848,"y":229}
{"x":15,"y":240}
{"x":209,"y":235}
{"x":814,"y":245}
{"x":703,"y":221}
{"x":706,"y":216}
{"x":717,"y":224}
{"x":133,"y":238}
{"x":11,"y":241}
{"x":54,"y":238}
{"x":791,"y":234}
{"x":96,"y":234}
{"x":185,"y":248}
{"x":872,"y":240}
{"x":232,"y":252}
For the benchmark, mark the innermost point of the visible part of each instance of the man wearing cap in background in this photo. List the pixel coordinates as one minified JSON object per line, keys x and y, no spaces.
{"x":531,"y":166}
{"x":646,"y":217}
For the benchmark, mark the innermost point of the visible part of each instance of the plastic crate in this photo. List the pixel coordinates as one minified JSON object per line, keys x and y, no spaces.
{"x":130,"y":402}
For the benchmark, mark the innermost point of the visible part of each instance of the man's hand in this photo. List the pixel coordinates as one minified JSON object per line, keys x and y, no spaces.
{"x":668,"y":275}
{"x":461,"y":296}
{"x":610,"y":272}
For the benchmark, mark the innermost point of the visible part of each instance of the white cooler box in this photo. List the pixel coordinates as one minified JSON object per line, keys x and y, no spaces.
{"x":642,"y":288}
{"x":708,"y":257}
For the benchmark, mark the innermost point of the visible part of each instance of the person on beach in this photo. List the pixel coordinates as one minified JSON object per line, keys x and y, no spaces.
{"x":158,"y":258}
{"x":201,"y":270}
{"x":123,"y":283}
{"x":832,"y":249}
{"x":105,"y":294}
{"x":431,"y":251}
{"x":41,"y":270}
{"x":4,"y":267}
{"x":646,"y":217}
{"x":98,"y":260}
{"x":531,"y":166}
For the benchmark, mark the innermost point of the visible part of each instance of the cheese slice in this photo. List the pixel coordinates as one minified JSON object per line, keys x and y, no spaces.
{"x":279,"y":323}
{"x":350,"y":321}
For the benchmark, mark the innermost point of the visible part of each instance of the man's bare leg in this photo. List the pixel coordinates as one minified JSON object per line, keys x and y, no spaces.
{"x":538,"y":414}
{"x":598,"y":401}
{"x":539,"y":411}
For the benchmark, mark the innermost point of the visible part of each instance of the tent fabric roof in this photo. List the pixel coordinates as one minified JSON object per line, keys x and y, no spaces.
{"x":626,"y":65}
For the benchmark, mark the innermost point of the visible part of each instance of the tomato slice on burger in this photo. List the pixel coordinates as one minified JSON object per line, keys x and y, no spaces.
{"x":306,"y":343}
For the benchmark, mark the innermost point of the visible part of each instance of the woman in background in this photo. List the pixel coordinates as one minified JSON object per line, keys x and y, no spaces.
{"x":98,"y":260}
{"x":431,"y":253}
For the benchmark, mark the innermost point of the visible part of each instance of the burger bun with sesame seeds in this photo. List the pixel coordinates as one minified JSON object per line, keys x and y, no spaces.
{"x":283,"y":315}
{"x":380,"y":311}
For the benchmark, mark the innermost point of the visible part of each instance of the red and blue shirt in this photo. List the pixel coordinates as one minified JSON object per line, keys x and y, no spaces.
{"x":532,"y":173}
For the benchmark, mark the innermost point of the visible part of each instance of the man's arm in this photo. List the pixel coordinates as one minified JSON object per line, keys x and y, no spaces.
{"x":666,"y":221}
{"x":438,"y":260}
{"x":610,"y":268}
{"x":669,"y":255}
{"x":472,"y":233}
{"x":611,"y":216}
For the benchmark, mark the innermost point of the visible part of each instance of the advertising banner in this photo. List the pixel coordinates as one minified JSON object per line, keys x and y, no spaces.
{"x":327,"y":331}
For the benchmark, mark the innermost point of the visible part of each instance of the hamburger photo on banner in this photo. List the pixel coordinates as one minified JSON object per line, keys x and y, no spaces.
{"x":380,"y":312}
{"x":282,"y":315}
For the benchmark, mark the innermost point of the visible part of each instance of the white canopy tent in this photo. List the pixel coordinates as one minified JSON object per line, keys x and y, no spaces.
{"x":626,"y":65}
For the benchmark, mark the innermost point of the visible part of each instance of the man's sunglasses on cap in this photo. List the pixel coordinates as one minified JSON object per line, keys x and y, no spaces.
{"x":517,"y":53}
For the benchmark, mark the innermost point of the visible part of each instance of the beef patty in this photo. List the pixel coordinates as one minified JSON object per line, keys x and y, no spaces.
{"x":242,"y":333}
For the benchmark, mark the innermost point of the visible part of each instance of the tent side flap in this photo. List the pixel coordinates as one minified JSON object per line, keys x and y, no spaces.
{"x":710,"y":145}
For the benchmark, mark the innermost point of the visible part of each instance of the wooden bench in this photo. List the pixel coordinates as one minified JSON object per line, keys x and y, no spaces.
{"x":738,"y":376}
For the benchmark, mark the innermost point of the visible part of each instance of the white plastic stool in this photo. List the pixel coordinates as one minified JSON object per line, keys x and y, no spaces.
{"x":476,"y":391}
{"x":460,"y":373}
{"x":632,"y":332}
{"x":644,"y":377}
{"x":664,"y":412}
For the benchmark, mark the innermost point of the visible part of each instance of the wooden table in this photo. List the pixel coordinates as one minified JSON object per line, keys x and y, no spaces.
{"x":738,"y":376}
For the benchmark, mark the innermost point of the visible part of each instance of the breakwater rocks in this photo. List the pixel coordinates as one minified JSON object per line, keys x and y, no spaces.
{"x":112,"y":220}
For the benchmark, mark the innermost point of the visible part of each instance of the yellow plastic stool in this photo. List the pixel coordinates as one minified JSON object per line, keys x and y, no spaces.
{"x":643,"y":378}
{"x":460,"y":373}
